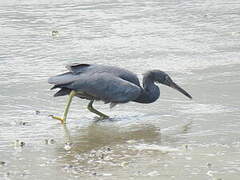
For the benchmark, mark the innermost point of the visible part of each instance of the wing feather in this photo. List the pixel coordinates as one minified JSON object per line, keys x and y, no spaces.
{"x":106,"y":87}
{"x":68,"y":77}
{"x":64,"y":78}
{"x":77,"y":68}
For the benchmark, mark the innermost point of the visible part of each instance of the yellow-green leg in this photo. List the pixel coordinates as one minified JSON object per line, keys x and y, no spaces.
{"x":63,"y":120}
{"x":90,"y":108}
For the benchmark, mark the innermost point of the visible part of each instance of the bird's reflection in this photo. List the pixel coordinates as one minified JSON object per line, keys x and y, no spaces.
{"x":67,"y":135}
{"x":98,"y":135}
{"x":110,"y":143}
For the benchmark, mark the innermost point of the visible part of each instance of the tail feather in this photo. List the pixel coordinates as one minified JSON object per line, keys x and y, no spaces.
{"x":54,"y":87}
{"x":62,"y":92}
{"x":112,"y":104}
{"x":59,"y":86}
{"x":64,"y":78}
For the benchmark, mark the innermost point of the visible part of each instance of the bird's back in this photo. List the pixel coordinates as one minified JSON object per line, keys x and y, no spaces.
{"x":76,"y":71}
{"x":99,"y":82}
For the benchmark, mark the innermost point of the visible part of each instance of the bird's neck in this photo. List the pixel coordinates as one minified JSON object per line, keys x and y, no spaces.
{"x":150,"y":91}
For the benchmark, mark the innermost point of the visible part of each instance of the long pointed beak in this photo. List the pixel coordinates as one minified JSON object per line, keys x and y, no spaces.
{"x":177,"y":87}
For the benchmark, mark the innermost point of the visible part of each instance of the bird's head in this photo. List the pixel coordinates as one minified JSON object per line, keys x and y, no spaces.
{"x":164,"y":78}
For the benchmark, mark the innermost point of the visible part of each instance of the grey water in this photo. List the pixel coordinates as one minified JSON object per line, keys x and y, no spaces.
{"x":196,"y":42}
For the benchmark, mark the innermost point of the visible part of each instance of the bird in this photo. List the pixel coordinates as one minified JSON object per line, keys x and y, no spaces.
{"x":110,"y":84}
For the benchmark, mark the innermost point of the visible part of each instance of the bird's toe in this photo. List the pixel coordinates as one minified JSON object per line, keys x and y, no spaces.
{"x":57,"y":118}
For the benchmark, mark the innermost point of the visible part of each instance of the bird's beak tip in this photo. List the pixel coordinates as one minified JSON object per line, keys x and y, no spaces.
{"x":178,"y":88}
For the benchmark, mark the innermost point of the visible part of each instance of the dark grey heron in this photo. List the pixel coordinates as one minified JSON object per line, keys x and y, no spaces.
{"x":110,"y":84}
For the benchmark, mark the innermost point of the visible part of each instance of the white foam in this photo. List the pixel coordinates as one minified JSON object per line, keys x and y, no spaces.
{"x":155,"y":147}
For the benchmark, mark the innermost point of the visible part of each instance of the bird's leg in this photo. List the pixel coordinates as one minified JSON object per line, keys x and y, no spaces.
{"x":63,"y":120}
{"x":90,"y":108}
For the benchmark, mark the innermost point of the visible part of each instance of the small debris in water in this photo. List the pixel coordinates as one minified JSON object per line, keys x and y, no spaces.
{"x":19,"y":143}
{"x":22,"y":144}
{"x":37,"y":112}
{"x":55,"y":33}
{"x":211,"y":173}
{"x":52,"y":141}
{"x":209,"y":165}
{"x":102,"y":156}
{"x":67,"y":146}
{"x":2,"y":163}
{"x":21,"y":123}
{"x":109,"y":149}
{"x":46,"y":141}
{"x":94,"y":174}
{"x":186,"y":147}
{"x":123,"y":164}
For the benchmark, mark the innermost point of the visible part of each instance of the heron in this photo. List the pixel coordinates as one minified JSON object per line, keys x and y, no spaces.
{"x":110,"y":84}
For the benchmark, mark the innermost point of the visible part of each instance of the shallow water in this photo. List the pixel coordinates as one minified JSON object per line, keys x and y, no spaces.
{"x":196,"y":42}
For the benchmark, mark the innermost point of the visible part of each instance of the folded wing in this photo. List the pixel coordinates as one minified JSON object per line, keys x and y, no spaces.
{"x":65,"y":78}
{"x":106,"y":87}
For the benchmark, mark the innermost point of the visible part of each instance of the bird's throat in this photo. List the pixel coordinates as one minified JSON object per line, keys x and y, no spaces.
{"x":150,"y":92}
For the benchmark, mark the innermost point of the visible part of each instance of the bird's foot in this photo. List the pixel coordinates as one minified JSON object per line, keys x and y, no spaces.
{"x":104,"y":117}
{"x":101,"y":118}
{"x":63,"y":121}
